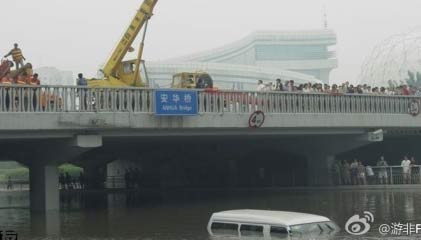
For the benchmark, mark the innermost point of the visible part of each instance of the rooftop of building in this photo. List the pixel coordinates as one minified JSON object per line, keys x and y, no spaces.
{"x":303,"y":37}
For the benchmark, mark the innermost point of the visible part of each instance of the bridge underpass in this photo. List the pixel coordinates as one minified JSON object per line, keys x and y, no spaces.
{"x":394,"y":147}
{"x":247,"y":159}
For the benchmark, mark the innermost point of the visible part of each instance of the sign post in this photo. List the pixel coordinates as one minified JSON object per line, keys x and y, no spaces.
{"x":176,"y":103}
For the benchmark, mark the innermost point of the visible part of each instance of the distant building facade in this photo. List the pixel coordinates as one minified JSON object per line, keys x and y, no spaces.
{"x":306,"y":52}
{"x":302,"y":56}
{"x":54,"y":76}
{"x":226,"y":76}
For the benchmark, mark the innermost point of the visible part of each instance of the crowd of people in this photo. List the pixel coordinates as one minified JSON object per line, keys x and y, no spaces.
{"x":356,"y":173}
{"x":345,"y":88}
{"x":22,"y":75}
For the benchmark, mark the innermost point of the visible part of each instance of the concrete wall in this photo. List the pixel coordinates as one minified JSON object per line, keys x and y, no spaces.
{"x":65,"y":125}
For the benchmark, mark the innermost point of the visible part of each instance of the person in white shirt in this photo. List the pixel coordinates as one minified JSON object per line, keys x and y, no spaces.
{"x":268,"y":87}
{"x":370,"y":175}
{"x":406,"y":170}
{"x":307,"y":88}
{"x":260,"y":86}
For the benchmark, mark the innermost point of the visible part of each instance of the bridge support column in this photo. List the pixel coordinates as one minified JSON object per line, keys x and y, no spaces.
{"x":44,"y":192}
{"x":320,"y":169}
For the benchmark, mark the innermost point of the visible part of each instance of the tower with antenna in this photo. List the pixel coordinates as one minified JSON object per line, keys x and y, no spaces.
{"x":325,"y":22}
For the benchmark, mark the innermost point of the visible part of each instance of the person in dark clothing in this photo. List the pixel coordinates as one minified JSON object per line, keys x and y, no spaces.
{"x":127,"y":178}
{"x":9,"y":183}
{"x":68,"y":180}
{"x":279,"y":86}
{"x":132,"y":178}
{"x":62,"y":181}
{"x":200,"y":84}
{"x":83,"y":98}
{"x":82,"y":180}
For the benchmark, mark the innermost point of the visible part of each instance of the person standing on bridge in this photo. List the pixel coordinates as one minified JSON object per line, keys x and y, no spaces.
{"x":382,"y":164}
{"x":34,"y":82}
{"x":279,"y":86}
{"x":260,"y":86}
{"x":406,"y":170}
{"x":17,"y":56}
{"x":82,"y":82}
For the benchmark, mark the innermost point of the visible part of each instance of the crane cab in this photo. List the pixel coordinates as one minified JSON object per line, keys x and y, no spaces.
{"x":124,"y":76}
{"x":198,"y":80}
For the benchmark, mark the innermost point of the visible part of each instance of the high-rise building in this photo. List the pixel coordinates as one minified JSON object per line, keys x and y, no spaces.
{"x":54,"y":76}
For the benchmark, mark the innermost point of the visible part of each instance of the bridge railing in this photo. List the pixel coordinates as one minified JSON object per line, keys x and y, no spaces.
{"x":378,"y":176}
{"x":81,"y":99}
{"x":284,"y":102}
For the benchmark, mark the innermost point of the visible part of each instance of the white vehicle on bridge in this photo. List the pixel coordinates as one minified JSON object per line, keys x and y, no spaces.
{"x":260,"y":224}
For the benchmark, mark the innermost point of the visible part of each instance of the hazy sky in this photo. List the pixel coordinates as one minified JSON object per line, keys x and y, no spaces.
{"x":79,"y":35}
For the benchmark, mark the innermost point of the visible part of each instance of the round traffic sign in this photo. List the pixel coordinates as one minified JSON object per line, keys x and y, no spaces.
{"x":257,"y":119}
{"x":414,"y":108}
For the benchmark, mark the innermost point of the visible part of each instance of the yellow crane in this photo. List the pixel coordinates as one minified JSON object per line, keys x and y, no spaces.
{"x":118,"y":72}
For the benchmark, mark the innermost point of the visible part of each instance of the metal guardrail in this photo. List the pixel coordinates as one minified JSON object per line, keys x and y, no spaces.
{"x":81,"y":99}
{"x":393,"y":175}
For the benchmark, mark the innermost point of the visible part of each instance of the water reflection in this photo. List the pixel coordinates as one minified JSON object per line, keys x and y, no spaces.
{"x":182,"y":214}
{"x":45,"y":224}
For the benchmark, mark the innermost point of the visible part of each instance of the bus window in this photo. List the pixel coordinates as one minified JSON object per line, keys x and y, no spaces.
{"x":224,"y":229}
{"x":251,"y":230}
{"x":278,"y":232}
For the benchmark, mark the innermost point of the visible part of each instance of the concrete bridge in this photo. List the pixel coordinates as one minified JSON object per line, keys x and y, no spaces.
{"x":45,"y":126}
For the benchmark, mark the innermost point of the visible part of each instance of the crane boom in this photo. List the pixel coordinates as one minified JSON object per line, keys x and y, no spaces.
{"x":142,"y":16}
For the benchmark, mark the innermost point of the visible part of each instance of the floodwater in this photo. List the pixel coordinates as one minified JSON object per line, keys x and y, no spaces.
{"x":183,"y":214}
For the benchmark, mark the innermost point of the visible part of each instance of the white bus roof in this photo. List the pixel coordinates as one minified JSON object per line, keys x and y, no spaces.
{"x":267,"y":217}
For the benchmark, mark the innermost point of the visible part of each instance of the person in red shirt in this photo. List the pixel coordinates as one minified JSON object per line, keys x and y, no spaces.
{"x":405,"y":90}
{"x":34,"y":80}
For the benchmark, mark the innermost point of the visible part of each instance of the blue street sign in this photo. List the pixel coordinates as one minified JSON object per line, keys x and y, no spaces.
{"x":176,"y":103}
